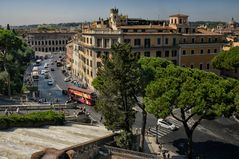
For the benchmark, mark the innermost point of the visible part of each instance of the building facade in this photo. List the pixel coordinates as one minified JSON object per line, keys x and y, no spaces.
{"x":177,"y":41}
{"x":49,"y":41}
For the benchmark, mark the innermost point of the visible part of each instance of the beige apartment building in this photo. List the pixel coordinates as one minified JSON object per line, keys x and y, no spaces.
{"x":177,"y":41}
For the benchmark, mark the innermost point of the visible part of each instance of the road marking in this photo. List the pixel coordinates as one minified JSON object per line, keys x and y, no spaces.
{"x":58,"y":87}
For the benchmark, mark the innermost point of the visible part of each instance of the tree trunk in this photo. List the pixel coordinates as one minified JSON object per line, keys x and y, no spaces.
{"x":9,"y":85}
{"x":144,"y":121}
{"x":190,"y":147}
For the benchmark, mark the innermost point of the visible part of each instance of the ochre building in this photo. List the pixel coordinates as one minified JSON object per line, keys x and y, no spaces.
{"x":177,"y":41}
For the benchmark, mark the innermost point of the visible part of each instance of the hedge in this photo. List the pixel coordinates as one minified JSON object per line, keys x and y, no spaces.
{"x":35,"y":119}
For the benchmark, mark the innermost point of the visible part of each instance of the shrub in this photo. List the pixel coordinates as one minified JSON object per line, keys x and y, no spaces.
{"x":34,"y":119}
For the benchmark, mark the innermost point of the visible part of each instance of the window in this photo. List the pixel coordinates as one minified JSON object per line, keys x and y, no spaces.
{"x":215,"y":40}
{"x":158,"y":54}
{"x":143,"y":30}
{"x":90,"y":40}
{"x":184,"y":52}
{"x":147,"y":43}
{"x":215,"y":50}
{"x":99,"y":42}
{"x":147,"y":54}
{"x":42,"y":42}
{"x":184,"y":40}
{"x":114,"y":41}
{"x":45,"y":42}
{"x":192,"y":52}
{"x":208,"y":66}
{"x":201,"y":66}
{"x":194,"y":30}
{"x":209,"y":40}
{"x":35,"y":42}
{"x":159,"y":41}
{"x":180,"y":21}
{"x":166,"y":41}
{"x":193,"y":40}
{"x":167,"y":53}
{"x":90,"y":63}
{"x":208,"y":51}
{"x":125,"y":30}
{"x":201,"y":51}
{"x":135,"y":30}
{"x":137,"y":42}
{"x":174,"y":41}
{"x":126,"y":40}
{"x":174,"y":53}
{"x":56,"y":42}
{"x":202,"y":40}
{"x":179,"y":30}
{"x":49,"y":42}
{"x":107,"y":43}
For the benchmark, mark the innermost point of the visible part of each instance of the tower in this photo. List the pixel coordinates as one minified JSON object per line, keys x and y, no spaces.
{"x":114,"y":19}
{"x":179,"y":22}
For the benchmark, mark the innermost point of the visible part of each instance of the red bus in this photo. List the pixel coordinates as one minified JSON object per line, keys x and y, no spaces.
{"x":85,"y":96}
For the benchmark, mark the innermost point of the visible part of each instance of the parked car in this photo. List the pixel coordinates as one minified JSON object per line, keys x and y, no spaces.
{"x":52,"y":69}
{"x":46,"y":76}
{"x":166,"y":124}
{"x":50,"y":82}
{"x":67,"y":79}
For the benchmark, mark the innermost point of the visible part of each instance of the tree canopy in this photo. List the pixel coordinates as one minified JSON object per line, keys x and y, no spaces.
{"x":115,"y":82}
{"x":227,"y":60}
{"x":187,"y":93}
{"x":14,"y":57}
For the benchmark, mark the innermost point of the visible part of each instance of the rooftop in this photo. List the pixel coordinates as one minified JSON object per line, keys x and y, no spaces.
{"x":179,"y":15}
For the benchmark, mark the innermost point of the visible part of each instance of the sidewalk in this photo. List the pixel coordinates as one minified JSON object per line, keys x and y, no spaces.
{"x":152,"y":147}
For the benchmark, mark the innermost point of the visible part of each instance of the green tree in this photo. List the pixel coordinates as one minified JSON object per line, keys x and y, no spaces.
{"x":188,"y":95}
{"x":115,"y":82}
{"x":14,"y":57}
{"x":227,"y":60}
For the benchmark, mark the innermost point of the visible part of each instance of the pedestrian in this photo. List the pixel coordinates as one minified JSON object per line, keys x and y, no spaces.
{"x":6,"y":112}
{"x":101,"y":118}
{"x":17,"y":111}
{"x":84,"y":109}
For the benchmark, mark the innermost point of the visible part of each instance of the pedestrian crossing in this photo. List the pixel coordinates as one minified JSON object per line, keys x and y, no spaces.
{"x":164,"y":131}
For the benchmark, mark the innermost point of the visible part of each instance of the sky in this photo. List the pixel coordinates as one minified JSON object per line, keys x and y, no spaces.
{"x":24,"y":12}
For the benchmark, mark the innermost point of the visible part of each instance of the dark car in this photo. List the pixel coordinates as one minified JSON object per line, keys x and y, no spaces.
{"x":52,"y":69}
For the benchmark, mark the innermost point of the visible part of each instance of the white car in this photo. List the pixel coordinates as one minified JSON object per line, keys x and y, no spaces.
{"x":50,"y":82}
{"x":67,"y":79}
{"x":166,"y":124}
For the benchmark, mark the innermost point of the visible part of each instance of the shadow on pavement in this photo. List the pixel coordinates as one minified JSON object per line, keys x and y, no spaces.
{"x":209,"y":149}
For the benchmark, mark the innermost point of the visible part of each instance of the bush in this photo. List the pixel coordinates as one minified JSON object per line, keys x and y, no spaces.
{"x":35,"y":119}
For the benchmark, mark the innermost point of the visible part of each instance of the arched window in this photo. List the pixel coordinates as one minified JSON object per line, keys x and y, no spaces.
{"x":39,"y":43}
{"x":42,"y":49}
{"x":46,"y":49}
{"x":56,"y":48}
{"x":63,"y":49}
{"x":45,"y":42}
{"x":56,"y":42}
{"x":49,"y":42}
{"x":39,"y":49}
{"x":53,"y":49}
{"x":50,"y":49}
{"x":60,"y":48}
{"x":59,"y":42}
{"x":42,"y":42}
{"x":52,"y":42}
